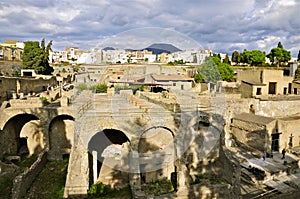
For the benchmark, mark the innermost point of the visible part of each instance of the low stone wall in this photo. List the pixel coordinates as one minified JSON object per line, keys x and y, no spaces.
{"x":174,"y":107}
{"x":30,"y":102}
{"x":210,"y":191}
{"x":23,"y":181}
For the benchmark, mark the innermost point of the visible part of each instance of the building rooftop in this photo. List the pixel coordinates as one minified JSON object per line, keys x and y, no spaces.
{"x":254,"y":83}
{"x":252,"y":118}
{"x":171,"y":78}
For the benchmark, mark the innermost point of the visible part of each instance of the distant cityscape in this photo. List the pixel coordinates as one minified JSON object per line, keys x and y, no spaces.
{"x":156,"y":122}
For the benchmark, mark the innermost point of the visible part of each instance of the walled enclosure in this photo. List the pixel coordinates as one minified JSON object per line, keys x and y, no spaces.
{"x":254,"y":131}
{"x":18,"y":85}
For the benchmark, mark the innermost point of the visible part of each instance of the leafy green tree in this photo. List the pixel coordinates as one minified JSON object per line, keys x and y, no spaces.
{"x":225,"y":71}
{"x":198,"y":78}
{"x":36,"y":57}
{"x":214,"y":70}
{"x":226,"y":60}
{"x":253,"y":57}
{"x":279,"y":55}
{"x":298,"y":56}
{"x":236,"y":57}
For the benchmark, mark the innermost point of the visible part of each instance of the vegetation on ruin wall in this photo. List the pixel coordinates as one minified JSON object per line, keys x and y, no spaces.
{"x":158,"y":187}
{"x":207,"y":179}
{"x":101,"y":191}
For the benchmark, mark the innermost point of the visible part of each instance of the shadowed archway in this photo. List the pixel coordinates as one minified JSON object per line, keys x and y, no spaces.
{"x":157,"y":154}
{"x":108,"y":158}
{"x":61,"y":135}
{"x":10,"y":140}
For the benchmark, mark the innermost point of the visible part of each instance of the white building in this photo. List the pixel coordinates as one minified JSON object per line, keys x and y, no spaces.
{"x":115,"y":56}
{"x":175,"y":82}
{"x":192,"y":56}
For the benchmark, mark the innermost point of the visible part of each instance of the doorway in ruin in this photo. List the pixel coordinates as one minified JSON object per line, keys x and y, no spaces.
{"x":272,"y":88}
{"x":157,"y":154}
{"x":61,"y":136}
{"x":108,"y":158}
{"x":12,"y":142}
{"x":275,"y":142}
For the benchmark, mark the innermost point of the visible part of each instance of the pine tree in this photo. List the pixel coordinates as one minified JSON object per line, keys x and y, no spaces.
{"x":36,"y":57}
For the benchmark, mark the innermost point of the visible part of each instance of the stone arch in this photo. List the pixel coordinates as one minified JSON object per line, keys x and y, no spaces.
{"x":11,"y":141}
{"x":61,"y":135}
{"x":157,"y":153}
{"x":108,"y":158}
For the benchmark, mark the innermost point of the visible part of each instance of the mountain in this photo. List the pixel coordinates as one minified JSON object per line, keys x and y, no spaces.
{"x":161,"y":47}
{"x":108,"y":48}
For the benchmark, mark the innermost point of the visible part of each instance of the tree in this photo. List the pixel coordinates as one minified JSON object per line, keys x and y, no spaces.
{"x":236,"y":57}
{"x":279,"y":55}
{"x":253,"y":57}
{"x":198,"y":78}
{"x":226,"y":60}
{"x":279,"y":45}
{"x":297,"y":73}
{"x":213,"y":70}
{"x":36,"y":57}
{"x":298,"y":56}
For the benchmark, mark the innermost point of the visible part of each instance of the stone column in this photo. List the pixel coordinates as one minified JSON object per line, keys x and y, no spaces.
{"x":95,"y":166}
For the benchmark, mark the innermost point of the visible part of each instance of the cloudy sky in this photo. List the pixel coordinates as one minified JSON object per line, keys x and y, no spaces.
{"x":219,"y":25}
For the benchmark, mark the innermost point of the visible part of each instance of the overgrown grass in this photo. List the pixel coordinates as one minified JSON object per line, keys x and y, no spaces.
{"x":51,"y":181}
{"x":103,"y":192}
{"x":26,"y":162}
{"x":158,"y":187}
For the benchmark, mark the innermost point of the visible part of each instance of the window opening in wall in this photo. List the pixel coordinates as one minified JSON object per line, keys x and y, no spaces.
{"x":258,"y":91}
{"x":284,"y":90}
{"x":290,"y":88}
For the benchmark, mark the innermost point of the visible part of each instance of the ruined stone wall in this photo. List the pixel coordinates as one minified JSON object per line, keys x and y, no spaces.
{"x":35,"y":85}
{"x":288,"y":127}
{"x":254,"y":135}
{"x":249,"y":76}
{"x":23,"y":85}
{"x":7,"y":85}
{"x":246,"y":90}
{"x":23,"y":182}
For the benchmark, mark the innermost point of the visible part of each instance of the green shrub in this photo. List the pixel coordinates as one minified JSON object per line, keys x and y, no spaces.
{"x":158,"y":187}
{"x":97,"y":190}
{"x":82,"y":87}
{"x":43,"y":98}
{"x":101,"y":88}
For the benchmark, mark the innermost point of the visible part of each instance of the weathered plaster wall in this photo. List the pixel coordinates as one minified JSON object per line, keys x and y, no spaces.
{"x":33,"y":132}
{"x":287,"y":127}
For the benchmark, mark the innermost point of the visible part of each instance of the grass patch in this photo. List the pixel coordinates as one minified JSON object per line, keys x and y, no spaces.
{"x":207,"y":179}
{"x":6,"y":184}
{"x":101,"y":191}
{"x":158,"y":187}
{"x":26,"y":162}
{"x":51,"y":181}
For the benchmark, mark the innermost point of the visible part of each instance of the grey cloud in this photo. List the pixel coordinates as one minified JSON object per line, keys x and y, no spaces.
{"x":217,"y":24}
